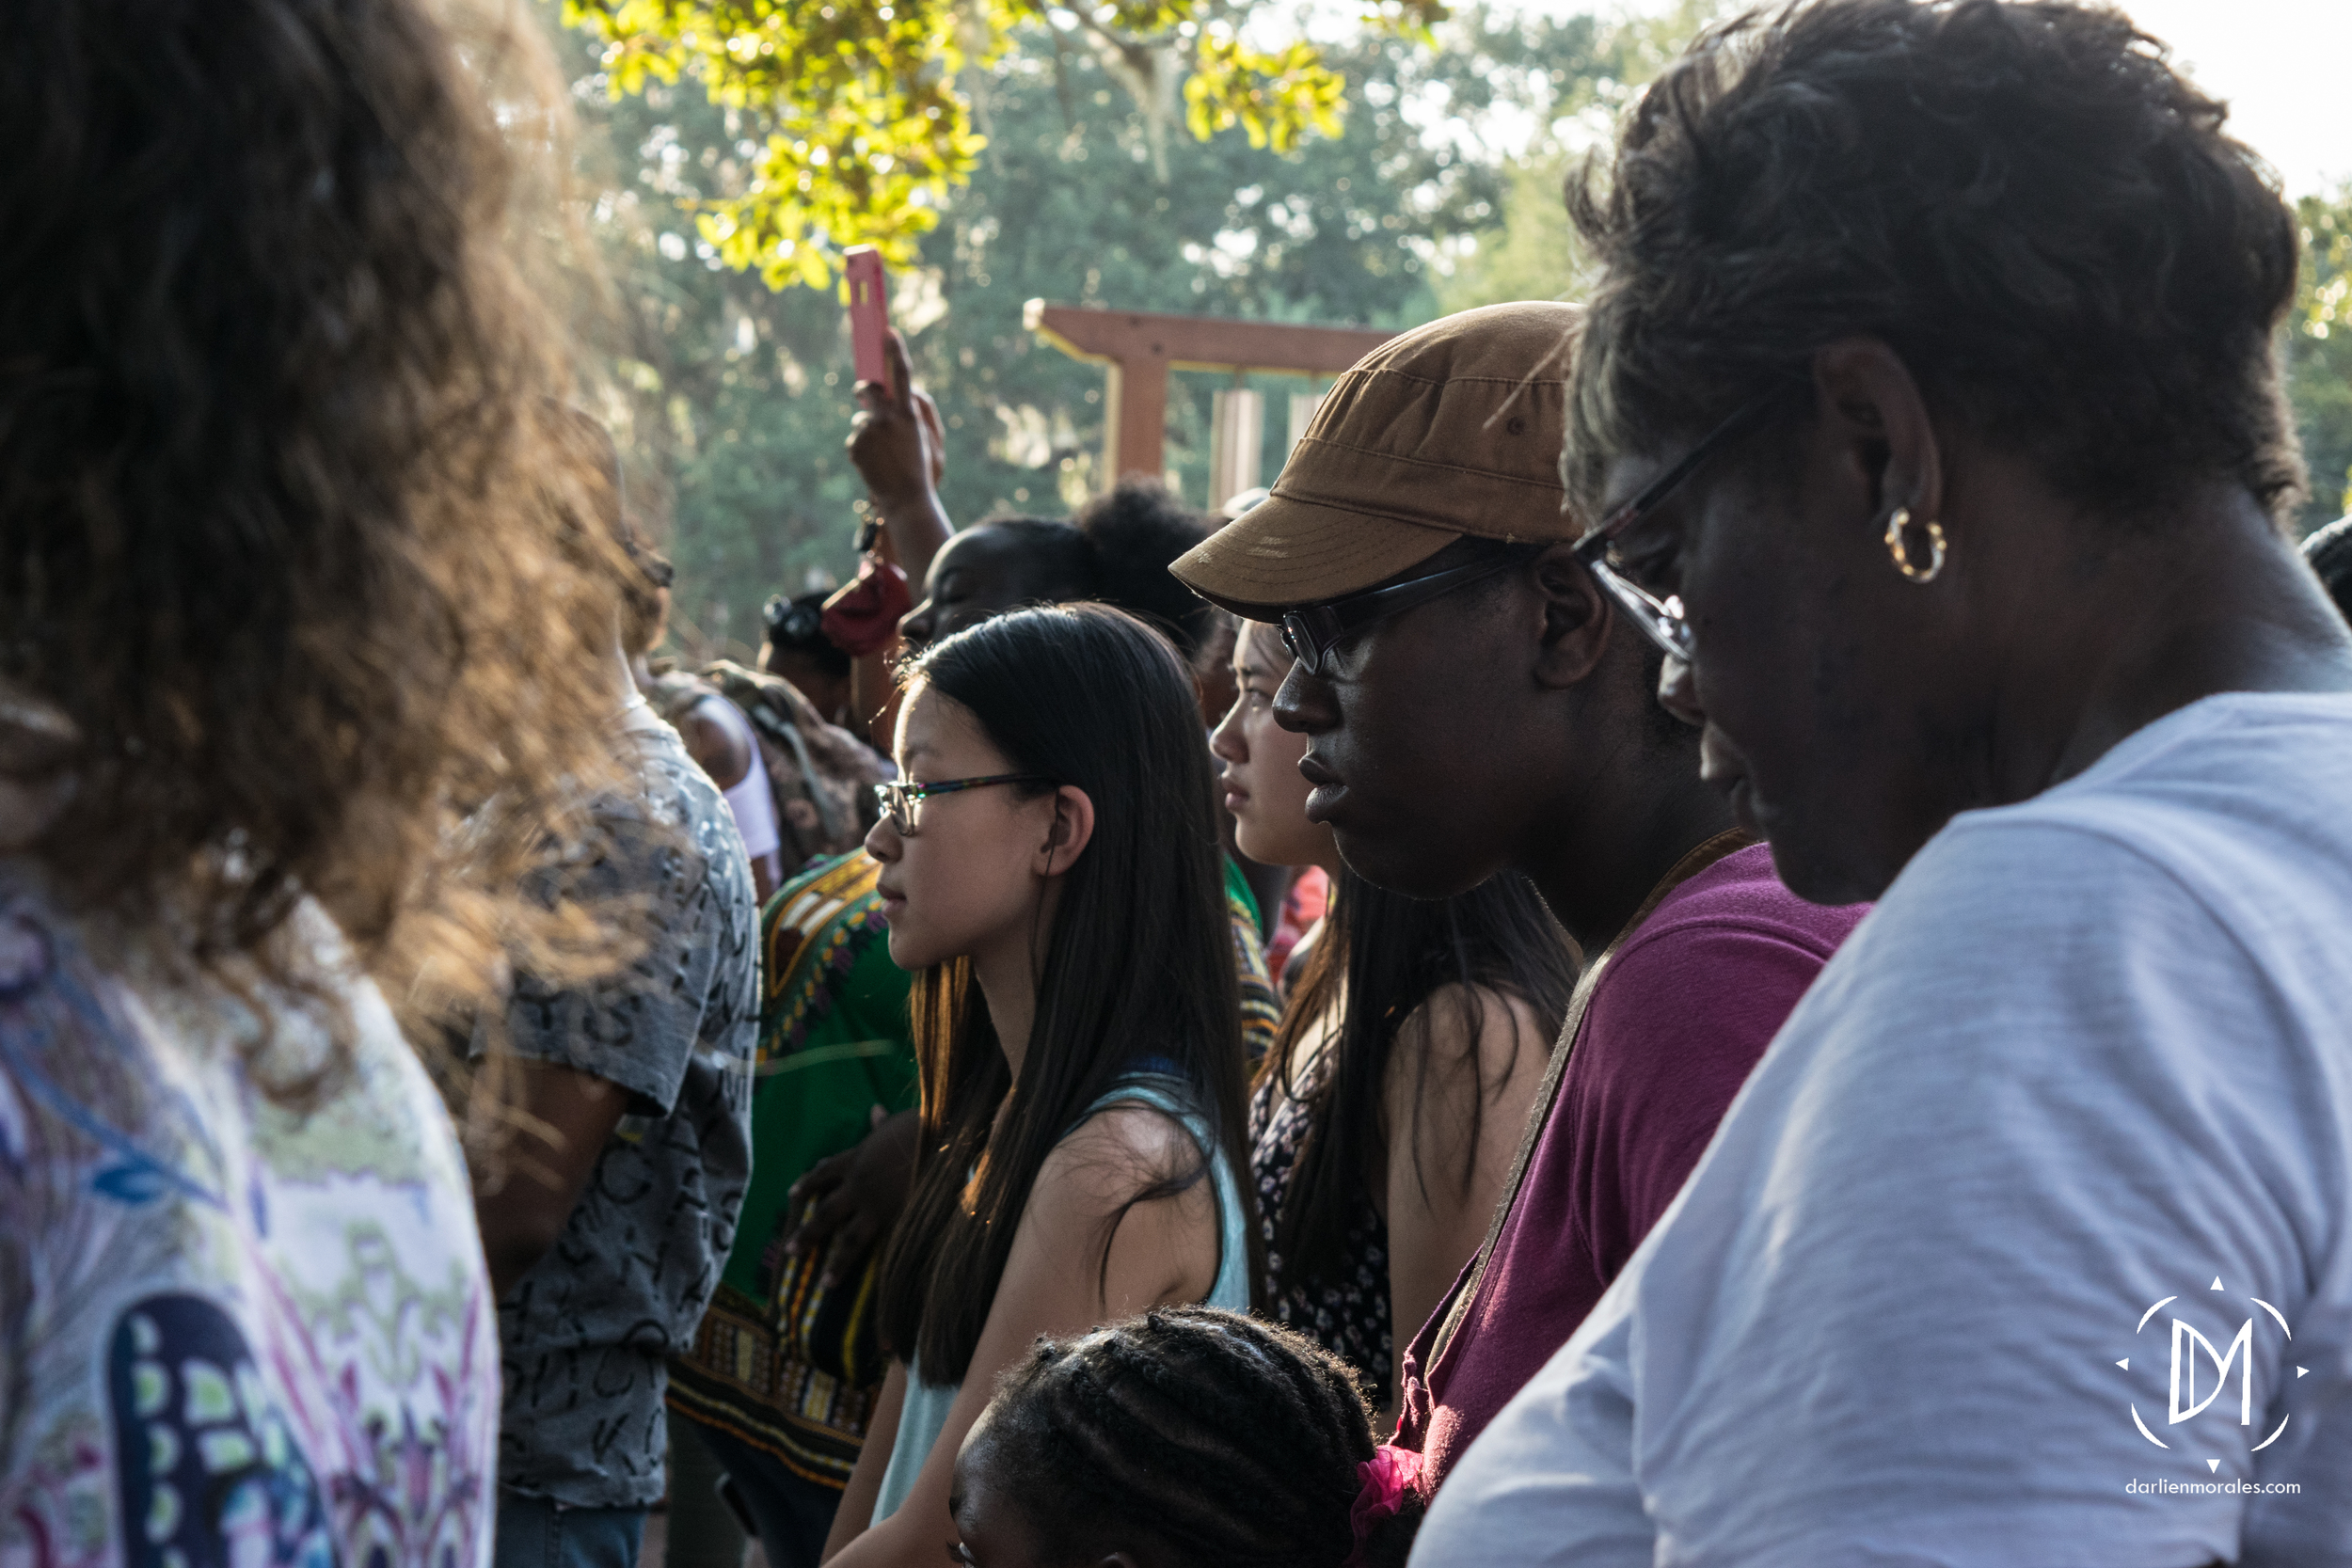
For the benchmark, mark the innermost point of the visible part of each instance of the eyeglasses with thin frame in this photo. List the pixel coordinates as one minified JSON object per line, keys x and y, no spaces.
{"x":1312,"y":632}
{"x":900,"y":800}
{"x":1663,"y":620}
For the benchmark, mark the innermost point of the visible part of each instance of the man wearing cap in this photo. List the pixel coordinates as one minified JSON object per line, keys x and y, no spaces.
{"x":1479,"y":701}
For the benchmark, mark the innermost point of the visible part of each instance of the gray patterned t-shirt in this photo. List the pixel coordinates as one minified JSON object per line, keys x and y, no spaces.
{"x":588,"y":1332}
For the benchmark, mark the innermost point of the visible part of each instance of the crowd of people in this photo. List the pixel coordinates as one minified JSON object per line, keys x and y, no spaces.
{"x":1653,"y":958}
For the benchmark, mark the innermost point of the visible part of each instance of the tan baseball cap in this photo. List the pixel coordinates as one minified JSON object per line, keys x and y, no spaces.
{"x":1454,"y":428}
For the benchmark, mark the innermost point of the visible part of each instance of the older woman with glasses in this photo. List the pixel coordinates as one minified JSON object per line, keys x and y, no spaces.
{"x":1929,"y":406}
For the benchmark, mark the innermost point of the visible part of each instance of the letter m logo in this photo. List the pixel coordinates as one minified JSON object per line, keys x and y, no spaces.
{"x":2245,"y":1341}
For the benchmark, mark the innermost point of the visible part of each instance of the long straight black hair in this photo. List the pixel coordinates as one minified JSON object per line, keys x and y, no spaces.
{"x":1382,"y":956}
{"x":1138,"y":965}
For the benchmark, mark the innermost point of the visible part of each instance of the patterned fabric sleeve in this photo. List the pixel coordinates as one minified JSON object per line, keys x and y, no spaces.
{"x":638,"y":1029}
{"x":1260,"y":1009}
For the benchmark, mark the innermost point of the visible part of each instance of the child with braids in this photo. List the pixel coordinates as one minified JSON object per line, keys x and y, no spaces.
{"x":1185,"y":1438}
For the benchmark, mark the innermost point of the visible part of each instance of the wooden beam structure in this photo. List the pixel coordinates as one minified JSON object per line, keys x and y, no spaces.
{"x":1140,"y":348}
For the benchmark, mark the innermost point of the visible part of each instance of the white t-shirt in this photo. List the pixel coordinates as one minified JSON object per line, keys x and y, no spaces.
{"x":2090,"y":1059}
{"x":233,"y":1333}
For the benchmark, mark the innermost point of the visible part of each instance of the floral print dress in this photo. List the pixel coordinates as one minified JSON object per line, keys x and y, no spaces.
{"x":1348,"y":1315}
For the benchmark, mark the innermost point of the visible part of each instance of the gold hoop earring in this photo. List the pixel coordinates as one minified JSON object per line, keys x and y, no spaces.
{"x":1899,"y":548}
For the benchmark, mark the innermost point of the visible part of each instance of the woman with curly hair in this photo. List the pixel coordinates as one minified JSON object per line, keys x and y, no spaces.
{"x":299,"y":637}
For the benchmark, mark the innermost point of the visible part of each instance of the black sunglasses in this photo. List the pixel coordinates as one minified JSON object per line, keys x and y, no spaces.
{"x":1311,"y":632}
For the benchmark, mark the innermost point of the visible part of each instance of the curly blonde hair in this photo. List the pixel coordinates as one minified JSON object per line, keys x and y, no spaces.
{"x":286,"y":483}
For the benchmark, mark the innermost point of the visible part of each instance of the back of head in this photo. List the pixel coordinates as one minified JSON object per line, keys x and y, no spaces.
{"x":1137,"y":530}
{"x":1114,"y":550}
{"x":279,"y":428}
{"x":2026,"y":201}
{"x":798,"y":626}
{"x":1086,"y":696}
{"x":595,"y":462}
{"x":1208,"y":1437}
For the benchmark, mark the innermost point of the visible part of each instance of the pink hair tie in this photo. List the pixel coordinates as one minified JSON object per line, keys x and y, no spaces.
{"x":1386,"y":1477}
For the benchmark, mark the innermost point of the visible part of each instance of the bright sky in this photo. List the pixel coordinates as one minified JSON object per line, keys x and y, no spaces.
{"x":2286,"y":69}
{"x":2283,"y":66}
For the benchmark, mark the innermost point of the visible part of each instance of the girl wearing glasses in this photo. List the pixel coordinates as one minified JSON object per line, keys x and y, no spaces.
{"x":1050,"y":874}
{"x":1383,"y":1123}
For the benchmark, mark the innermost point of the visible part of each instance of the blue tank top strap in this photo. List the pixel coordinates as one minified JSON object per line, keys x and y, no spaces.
{"x":1153,"y":1080}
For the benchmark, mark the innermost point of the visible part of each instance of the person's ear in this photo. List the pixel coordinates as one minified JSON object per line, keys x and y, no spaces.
{"x":1068,"y":834}
{"x":1576,"y":619}
{"x":1875,"y":431}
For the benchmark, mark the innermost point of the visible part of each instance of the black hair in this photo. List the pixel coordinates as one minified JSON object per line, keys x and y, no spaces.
{"x":1116,"y":549}
{"x":1139,"y":530}
{"x":797,"y":626}
{"x":1217,"y":1438}
{"x":1380,"y":957}
{"x":1138,"y":965}
{"x":2026,"y":201}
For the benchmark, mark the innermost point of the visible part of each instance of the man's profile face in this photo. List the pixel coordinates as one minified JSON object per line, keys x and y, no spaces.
{"x":1419,"y":737}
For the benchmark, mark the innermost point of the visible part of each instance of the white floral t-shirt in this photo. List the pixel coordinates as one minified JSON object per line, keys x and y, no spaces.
{"x":236,"y":1337}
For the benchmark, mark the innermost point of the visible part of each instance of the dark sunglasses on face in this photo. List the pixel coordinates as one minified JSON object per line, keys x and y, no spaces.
{"x":1312,"y":632}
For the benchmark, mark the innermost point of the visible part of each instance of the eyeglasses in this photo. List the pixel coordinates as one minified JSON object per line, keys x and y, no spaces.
{"x":1662,"y":619}
{"x":898,"y":801}
{"x":1311,"y":631}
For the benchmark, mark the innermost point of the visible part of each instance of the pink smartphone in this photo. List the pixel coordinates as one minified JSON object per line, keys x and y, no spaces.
{"x":869,"y":314}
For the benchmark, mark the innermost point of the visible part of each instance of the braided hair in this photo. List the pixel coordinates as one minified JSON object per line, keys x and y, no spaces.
{"x":1218,"y":1438}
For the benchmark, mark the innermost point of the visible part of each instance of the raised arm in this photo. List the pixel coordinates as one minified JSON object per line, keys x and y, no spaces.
{"x":1055,"y":1283}
{"x":899,"y":449}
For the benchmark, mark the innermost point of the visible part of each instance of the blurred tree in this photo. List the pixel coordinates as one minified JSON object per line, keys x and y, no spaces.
{"x":2319,"y":354}
{"x":1532,"y":251}
{"x":862,"y":129}
{"x":731,"y":400}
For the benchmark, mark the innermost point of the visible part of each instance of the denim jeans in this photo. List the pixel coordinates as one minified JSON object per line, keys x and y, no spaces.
{"x":537,"y":1533}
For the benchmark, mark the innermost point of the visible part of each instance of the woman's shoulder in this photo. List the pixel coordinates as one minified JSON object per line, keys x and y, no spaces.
{"x":1136,"y":1135}
{"x":1456,"y":1019}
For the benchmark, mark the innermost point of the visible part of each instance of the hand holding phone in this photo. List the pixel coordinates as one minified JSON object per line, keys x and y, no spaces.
{"x":897,"y":440}
{"x":869,"y":314}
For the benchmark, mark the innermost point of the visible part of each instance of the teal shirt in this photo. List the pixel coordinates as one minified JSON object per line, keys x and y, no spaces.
{"x":924,"y":1417}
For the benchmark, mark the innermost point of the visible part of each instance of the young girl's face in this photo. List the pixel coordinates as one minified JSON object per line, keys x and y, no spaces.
{"x":968,"y":875}
{"x":1263,"y":788}
{"x":992,"y":1524}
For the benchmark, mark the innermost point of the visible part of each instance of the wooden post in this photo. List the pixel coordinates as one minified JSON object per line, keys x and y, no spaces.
{"x":1140,"y":347}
